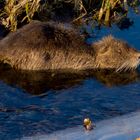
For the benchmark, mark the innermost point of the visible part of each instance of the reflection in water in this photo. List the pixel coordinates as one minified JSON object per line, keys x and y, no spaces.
{"x":70,"y":98}
{"x":125,"y":23}
{"x":36,"y":83}
{"x":121,"y":128}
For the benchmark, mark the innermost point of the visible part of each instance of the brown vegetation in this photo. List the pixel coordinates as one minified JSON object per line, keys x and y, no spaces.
{"x":103,"y":11}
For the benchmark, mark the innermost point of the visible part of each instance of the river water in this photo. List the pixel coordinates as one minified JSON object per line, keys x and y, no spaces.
{"x":38,"y":103}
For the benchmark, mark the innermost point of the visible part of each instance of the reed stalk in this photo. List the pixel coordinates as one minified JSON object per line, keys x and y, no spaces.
{"x":14,"y":8}
{"x":17,"y":11}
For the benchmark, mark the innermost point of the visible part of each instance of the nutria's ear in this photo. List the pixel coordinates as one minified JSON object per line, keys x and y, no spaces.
{"x":100,"y":47}
{"x":103,"y":45}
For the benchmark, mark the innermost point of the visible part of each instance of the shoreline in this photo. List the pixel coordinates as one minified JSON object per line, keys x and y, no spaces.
{"x":126,"y":127}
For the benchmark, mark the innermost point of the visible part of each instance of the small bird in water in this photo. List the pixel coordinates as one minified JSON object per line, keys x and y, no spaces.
{"x":88,"y":124}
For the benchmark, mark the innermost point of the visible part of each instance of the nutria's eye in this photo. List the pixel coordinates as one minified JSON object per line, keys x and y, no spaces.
{"x":104,"y":49}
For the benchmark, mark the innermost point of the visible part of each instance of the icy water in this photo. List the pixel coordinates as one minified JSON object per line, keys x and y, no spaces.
{"x":38,"y":103}
{"x":126,"y":127}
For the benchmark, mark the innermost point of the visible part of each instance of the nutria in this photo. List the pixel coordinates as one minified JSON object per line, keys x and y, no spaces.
{"x":42,"y":46}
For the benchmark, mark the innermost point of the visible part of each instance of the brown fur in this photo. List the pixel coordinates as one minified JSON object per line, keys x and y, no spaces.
{"x":116,"y":54}
{"x":42,"y":46}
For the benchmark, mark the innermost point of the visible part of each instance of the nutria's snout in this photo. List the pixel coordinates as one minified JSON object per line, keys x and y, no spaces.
{"x":131,"y":63}
{"x":112,"y":53}
{"x":139,"y":59}
{"x":139,"y":56}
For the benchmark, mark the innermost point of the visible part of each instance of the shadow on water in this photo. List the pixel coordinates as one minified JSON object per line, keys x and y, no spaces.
{"x":39,"y":82}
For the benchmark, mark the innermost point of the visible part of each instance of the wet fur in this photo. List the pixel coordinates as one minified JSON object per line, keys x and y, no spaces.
{"x":42,"y":46}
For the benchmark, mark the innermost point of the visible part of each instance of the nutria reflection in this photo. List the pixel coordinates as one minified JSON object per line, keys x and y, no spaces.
{"x":39,"y":82}
{"x":42,"y":46}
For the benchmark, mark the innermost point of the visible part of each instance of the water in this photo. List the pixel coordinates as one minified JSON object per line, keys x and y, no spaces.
{"x":126,"y":127}
{"x":130,"y":34}
{"x":45,"y":102}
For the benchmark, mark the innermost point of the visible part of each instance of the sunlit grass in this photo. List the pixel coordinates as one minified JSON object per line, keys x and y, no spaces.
{"x":13,"y":9}
{"x":103,"y":11}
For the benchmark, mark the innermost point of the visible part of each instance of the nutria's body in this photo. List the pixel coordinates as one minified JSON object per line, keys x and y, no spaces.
{"x":42,"y":46}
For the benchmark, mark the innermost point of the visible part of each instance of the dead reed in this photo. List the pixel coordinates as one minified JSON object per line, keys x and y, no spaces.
{"x":103,"y":11}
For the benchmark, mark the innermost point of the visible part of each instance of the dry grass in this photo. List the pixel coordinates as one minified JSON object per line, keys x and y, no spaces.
{"x":103,"y":11}
{"x":17,"y":11}
{"x":14,"y":8}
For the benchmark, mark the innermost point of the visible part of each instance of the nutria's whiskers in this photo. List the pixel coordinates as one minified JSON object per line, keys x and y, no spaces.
{"x":123,"y":67}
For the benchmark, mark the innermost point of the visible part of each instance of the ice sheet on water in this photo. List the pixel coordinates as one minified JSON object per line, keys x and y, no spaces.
{"x":126,"y":127}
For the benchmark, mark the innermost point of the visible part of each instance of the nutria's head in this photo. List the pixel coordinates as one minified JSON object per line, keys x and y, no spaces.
{"x":115,"y":54}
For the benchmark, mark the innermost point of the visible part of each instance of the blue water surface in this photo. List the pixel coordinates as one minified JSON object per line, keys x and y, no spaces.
{"x":59,"y":105}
